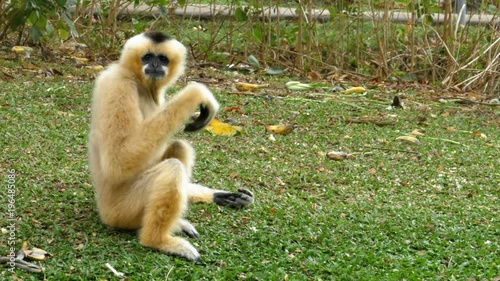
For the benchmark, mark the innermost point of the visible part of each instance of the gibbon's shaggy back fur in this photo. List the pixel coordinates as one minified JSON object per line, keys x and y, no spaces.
{"x":141,"y":174}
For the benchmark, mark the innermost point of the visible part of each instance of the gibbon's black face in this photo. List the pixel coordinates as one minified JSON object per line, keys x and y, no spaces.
{"x":155,"y":66}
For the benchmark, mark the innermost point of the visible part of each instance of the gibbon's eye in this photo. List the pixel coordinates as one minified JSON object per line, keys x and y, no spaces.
{"x":164,"y":60}
{"x":147,"y":58}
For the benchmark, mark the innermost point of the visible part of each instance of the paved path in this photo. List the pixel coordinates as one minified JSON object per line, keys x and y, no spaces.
{"x":205,"y":11}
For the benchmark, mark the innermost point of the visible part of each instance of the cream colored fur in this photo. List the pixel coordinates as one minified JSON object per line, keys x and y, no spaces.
{"x":141,"y":175}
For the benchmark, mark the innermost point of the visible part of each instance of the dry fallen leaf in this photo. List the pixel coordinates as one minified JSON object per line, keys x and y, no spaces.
{"x":409,"y":139}
{"x":247,"y":87}
{"x":479,"y":134}
{"x":37,"y":254}
{"x":233,"y":109}
{"x":280,"y":129}
{"x":80,"y":61}
{"x":337,"y":155}
{"x":217,"y":127}
{"x":417,"y":132}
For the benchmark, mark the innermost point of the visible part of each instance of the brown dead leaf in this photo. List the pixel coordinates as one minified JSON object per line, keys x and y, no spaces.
{"x":232,"y":109}
{"x":479,"y":134}
{"x":475,"y":96}
{"x":31,"y":67}
{"x":314,"y":75}
{"x":337,"y":155}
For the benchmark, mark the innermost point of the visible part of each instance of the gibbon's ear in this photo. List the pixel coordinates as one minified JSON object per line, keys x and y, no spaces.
{"x":202,"y":120}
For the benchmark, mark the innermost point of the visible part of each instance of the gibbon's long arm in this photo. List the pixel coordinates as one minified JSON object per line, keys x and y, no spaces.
{"x":198,"y":193}
{"x":135,"y":137}
{"x":177,"y":112}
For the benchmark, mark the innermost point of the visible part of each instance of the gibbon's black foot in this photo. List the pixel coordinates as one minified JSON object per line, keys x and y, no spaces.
{"x":200,"y":122}
{"x":239,"y":199}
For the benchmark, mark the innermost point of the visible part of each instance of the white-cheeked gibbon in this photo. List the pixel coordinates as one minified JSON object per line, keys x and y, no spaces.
{"x":142,"y":175}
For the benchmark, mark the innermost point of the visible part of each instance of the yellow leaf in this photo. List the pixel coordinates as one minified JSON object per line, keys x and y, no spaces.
{"x":280,"y":129}
{"x":217,"y":127}
{"x":21,"y":50}
{"x":354,"y":90}
{"x":246,"y":87}
{"x":80,"y":61}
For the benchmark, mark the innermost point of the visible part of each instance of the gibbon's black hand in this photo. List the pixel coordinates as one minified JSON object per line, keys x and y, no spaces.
{"x":201,"y":121}
{"x":239,"y":199}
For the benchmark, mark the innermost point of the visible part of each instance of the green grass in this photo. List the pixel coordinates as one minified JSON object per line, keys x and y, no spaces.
{"x":430,"y":213}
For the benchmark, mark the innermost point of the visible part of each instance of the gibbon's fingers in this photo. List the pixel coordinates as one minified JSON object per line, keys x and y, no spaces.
{"x":208,"y":106}
{"x":239,"y":199}
{"x":201,"y":121}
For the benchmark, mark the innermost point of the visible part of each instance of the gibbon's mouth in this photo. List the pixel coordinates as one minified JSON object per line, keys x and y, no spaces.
{"x":155,"y":74}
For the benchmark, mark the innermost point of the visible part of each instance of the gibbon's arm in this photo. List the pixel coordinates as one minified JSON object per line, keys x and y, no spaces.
{"x":134,"y":139}
{"x":176,"y":113}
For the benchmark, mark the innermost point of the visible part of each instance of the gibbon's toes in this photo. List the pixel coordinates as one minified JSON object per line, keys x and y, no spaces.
{"x":184,"y":249}
{"x":239,"y":199}
{"x":185,"y":227}
{"x":190,"y":231}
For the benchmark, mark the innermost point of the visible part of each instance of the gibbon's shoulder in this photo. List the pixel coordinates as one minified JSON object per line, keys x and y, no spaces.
{"x":113,"y":72}
{"x":114,"y":81}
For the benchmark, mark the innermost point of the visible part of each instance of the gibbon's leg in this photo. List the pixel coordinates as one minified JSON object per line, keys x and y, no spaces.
{"x":183,"y":151}
{"x":167,"y":200}
{"x":198,"y":193}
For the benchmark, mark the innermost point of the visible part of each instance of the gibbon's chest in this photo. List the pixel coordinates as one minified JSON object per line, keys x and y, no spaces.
{"x":148,"y":105}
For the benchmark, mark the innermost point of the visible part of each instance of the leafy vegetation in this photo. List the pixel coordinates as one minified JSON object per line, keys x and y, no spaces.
{"x":360,"y":36}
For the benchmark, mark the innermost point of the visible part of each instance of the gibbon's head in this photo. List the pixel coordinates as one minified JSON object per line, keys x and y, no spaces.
{"x":155,"y":58}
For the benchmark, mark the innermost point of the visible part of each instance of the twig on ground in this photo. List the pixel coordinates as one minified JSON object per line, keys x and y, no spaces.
{"x":117,"y":273}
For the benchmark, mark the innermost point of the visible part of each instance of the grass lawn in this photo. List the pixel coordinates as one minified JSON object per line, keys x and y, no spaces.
{"x":393,"y":211}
